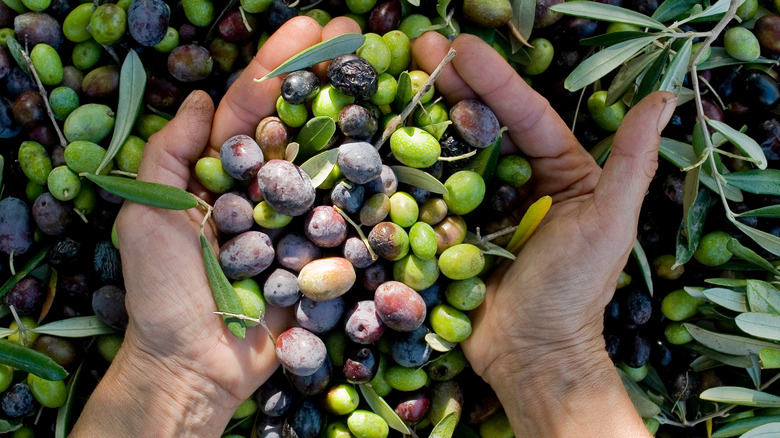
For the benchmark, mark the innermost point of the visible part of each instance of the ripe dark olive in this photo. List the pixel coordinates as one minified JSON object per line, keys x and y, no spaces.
{"x":353,"y":76}
{"x":761,"y":90}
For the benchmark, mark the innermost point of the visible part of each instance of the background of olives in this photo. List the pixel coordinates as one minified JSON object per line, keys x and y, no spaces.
{"x":195,"y":44}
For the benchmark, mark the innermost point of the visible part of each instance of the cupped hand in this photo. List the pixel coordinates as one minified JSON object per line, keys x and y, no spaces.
{"x":549,"y":303}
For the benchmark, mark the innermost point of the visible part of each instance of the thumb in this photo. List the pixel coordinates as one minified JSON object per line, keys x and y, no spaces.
{"x":634,"y":157}
{"x":171,"y":152}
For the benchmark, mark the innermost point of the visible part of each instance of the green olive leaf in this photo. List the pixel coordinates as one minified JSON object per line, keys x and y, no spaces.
{"x":62,"y":425}
{"x":651,"y":76}
{"x":28,"y":267}
{"x":404,"y":93}
{"x":320,"y":166}
{"x":17,"y":52}
{"x":601,"y":151}
{"x":132,"y":84}
{"x":446,"y":426}
{"x":671,"y":9}
{"x":762,"y":182}
{"x":727,"y":282}
{"x":16,"y":5}
{"x":682,"y":155}
{"x":760,"y":325}
{"x":605,"y":12}
{"x":768,"y":211}
{"x":419,"y":178}
{"x":486,"y":160}
{"x":720,"y":358}
{"x":523,"y":12}
{"x":751,"y":427}
{"x":610,"y":39}
{"x":381,"y":408}
{"x":763,"y":297}
{"x":31,"y":361}
{"x":626,"y":76}
{"x":644,"y":265}
{"x":736,"y":395}
{"x":744,"y":143}
{"x":324,"y":51}
{"x":770,"y":358}
{"x":750,"y":256}
{"x":438,"y":343}
{"x":720,"y":58}
{"x":603,"y":62}
{"x":642,"y":403}
{"x":690,"y":231}
{"x":147,"y":193}
{"x":8,"y":426}
{"x":720,"y":7}
{"x":78,"y":327}
{"x":315,"y":136}
{"x":673,"y":78}
{"x":728,"y":344}
{"x":224,"y":295}
{"x":736,"y":301}
{"x":437,"y":129}
{"x":769,"y":242}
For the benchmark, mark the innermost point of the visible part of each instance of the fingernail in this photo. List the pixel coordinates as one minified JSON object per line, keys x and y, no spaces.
{"x":666,"y":114}
{"x":186,"y":101}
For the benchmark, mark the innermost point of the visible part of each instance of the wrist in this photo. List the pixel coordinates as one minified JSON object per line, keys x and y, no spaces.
{"x":145,"y":395}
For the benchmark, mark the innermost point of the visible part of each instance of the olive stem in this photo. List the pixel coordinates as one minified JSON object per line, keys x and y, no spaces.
{"x":397,"y":120}
{"x":20,"y":327}
{"x":123,"y":173}
{"x":577,"y":110}
{"x":714,"y":93}
{"x":497,"y":234}
{"x":735,"y":156}
{"x":11,"y":262}
{"x":45,"y":95}
{"x":458,"y":157}
{"x":81,"y":214}
{"x":259,"y":321}
{"x":359,"y":231}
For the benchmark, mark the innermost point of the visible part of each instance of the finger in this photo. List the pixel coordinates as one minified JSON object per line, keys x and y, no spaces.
{"x":634,"y":157}
{"x":335,"y":27}
{"x":247,"y":102}
{"x":173,"y":150}
{"x":428,"y":50}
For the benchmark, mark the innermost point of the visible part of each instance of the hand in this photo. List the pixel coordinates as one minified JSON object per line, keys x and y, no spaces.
{"x":180,"y":371}
{"x":542,"y":320}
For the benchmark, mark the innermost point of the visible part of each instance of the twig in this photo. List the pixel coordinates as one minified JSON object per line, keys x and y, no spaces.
{"x":80,"y":214}
{"x":359,"y":231}
{"x":397,"y":120}
{"x":577,"y":110}
{"x":260,"y":321}
{"x":715,"y":93}
{"x":123,"y":173}
{"x":45,"y":95}
{"x":11,"y":263}
{"x":459,"y":157}
{"x":724,"y":411}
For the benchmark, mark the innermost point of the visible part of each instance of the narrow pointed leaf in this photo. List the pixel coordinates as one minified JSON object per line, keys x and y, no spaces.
{"x":690,"y":231}
{"x":750,"y":256}
{"x":727,"y":298}
{"x":769,"y":430}
{"x":224,"y":295}
{"x":16,"y":51}
{"x":741,"y":396}
{"x":609,"y":39}
{"x":319,"y":166}
{"x":727,"y":282}
{"x":605,"y":12}
{"x":78,"y":327}
{"x":769,"y":242}
{"x":31,"y":361}
{"x":523,"y":12}
{"x":720,"y":358}
{"x":446,"y":426}
{"x":531,"y":219}
{"x":419,"y":178}
{"x":671,"y":9}
{"x":486,"y":160}
{"x":643,"y":405}
{"x":315,"y":135}
{"x":147,"y":193}
{"x":652,"y":75}
{"x":763,"y":297}
{"x":625,"y":77}
{"x":644,"y":265}
{"x":381,"y":408}
{"x":324,"y":51}
{"x":5,"y":332}
{"x":768,"y":211}
{"x":601,"y":151}
{"x":603,"y":62}
{"x":760,"y":325}
{"x":28,"y":267}
{"x":132,"y":84}
{"x":720,"y":7}
{"x":673,"y":78}
{"x":681,"y":155}
{"x":496,"y":250}
{"x":404,"y":93}
{"x":720,"y":58}
{"x":762,"y":182}
{"x":62,"y":425}
{"x":744,"y":143}
{"x":728,"y":344}
{"x":742,"y":425}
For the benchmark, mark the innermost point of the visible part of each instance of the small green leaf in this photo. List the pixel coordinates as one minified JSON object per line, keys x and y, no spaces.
{"x":720,"y":58}
{"x":671,"y":9}
{"x":727,"y":282}
{"x":404,"y":93}
{"x":419,"y":178}
{"x":762,"y":182}
{"x":17,"y":52}
{"x":625,"y":77}
{"x":720,"y":7}
{"x":315,"y":135}
{"x":319,"y":166}
{"x":224,"y":295}
{"x":486,"y":160}
{"x":5,"y":332}
{"x":744,"y":143}
{"x":438,"y":343}
{"x":7,"y":426}
{"x":727,"y":298}
{"x":523,"y":12}
{"x":437,"y":129}
{"x":493,"y":249}
{"x":769,"y":242}
{"x":768,"y":211}
{"x":644,"y":265}
{"x":720,"y":358}
{"x":446,"y":426}
{"x":760,"y":325}
{"x":741,"y":396}
{"x":132,"y":84}
{"x":381,"y":408}
{"x":605,"y":12}
{"x":601,"y":151}
{"x":78,"y":327}
{"x":769,"y":430}
{"x":441,"y":8}
{"x":610,"y":39}
{"x":675,"y":74}
{"x":652,"y":74}
{"x":763,"y":297}
{"x":728,"y":344}
{"x":743,"y":425}
{"x":603,"y":62}
{"x":31,"y":361}
{"x":326,"y":50}
{"x":147,"y":193}
{"x":750,"y":256}
{"x":690,"y":231}
{"x":530,"y":221}
{"x":31,"y":264}
{"x":643,"y":405}
{"x":62,"y":426}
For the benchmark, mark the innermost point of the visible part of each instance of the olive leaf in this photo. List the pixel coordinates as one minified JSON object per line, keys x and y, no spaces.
{"x":768,"y":211}
{"x":605,"y":12}
{"x":31,"y":361}
{"x":601,"y":151}
{"x":320,"y":166}
{"x":720,"y":7}
{"x":16,"y":51}
{"x":612,"y":38}
{"x":728,"y":344}
{"x":769,"y":358}
{"x":438,"y":343}
{"x":727,"y":298}
{"x":675,"y":74}
{"x":727,"y":282}
{"x":78,"y":327}
{"x":28,"y":267}
{"x":324,"y":51}
{"x":224,"y":295}
{"x":419,"y":178}
{"x":644,"y":265}
{"x":381,"y":408}
{"x":692,"y":225}
{"x":651,"y":75}
{"x":493,"y":249}
{"x":16,"y":5}
{"x":8,"y":426}
{"x":437,"y":129}
{"x":721,"y":358}
{"x":741,"y":141}
{"x":762,"y":182}
{"x":603,"y":62}
{"x":404,"y":93}
{"x":671,"y":9}
{"x":763,"y":297}
{"x":625,"y":77}
{"x":315,"y":136}
{"x":62,"y":425}
{"x":523,"y":12}
{"x":720,"y":58}
{"x":643,"y":405}
{"x":736,"y":395}
{"x":446,"y":427}
{"x":681,"y":155}
{"x":531,"y":219}
{"x":740,"y":426}
{"x":750,"y":256}
{"x":766,"y":431}
{"x":760,"y":325}
{"x":132,"y":84}
{"x":147,"y":193}
{"x":486,"y":160}
{"x":769,"y":242}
